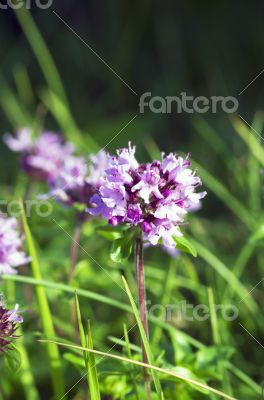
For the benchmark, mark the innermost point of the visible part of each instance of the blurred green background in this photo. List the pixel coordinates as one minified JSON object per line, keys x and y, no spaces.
{"x":206,"y":48}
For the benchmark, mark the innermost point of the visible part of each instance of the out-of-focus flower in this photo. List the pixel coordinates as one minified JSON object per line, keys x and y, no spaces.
{"x":155,"y":196}
{"x":78,"y":180}
{"x":9,"y":323}
{"x":11,"y":255}
{"x":42,"y":157}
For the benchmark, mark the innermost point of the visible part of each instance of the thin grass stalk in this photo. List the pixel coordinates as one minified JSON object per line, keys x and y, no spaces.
{"x":142,"y":305}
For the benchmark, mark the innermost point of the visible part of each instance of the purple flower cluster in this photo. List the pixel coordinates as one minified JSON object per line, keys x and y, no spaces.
{"x":79,"y":179}
{"x":9,"y":323}
{"x":11,"y":255}
{"x":155,"y":196}
{"x":42,"y":157}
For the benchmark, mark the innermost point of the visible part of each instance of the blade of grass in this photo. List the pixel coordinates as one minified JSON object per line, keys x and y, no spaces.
{"x":244,"y":378}
{"x":217,"y":341}
{"x":210,"y":136}
{"x":23,"y":85}
{"x":149,"y":366}
{"x":45,"y":313}
{"x":25,"y":374}
{"x":249,"y":137}
{"x":129,"y":355}
{"x":226,"y":197}
{"x":167,"y":287}
{"x":41,"y":52}
{"x":67,"y":124}
{"x":254,"y":176}
{"x":12,"y":108}
{"x":114,"y":303}
{"x":123,"y":343}
{"x":226,"y":274}
{"x":144,"y":338}
{"x":89,"y":360}
{"x":97,"y":297}
{"x":91,"y":365}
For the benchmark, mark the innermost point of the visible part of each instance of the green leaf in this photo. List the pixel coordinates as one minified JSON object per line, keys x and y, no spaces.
{"x":111,"y":233}
{"x":121,"y":249}
{"x":184,"y":245}
{"x":13,"y":359}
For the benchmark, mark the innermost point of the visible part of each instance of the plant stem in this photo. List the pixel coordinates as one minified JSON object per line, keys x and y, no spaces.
{"x":142,"y":305}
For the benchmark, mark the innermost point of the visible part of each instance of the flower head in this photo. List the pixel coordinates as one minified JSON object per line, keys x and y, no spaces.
{"x":11,"y":255}
{"x":9,"y":323}
{"x":78,"y":180}
{"x":155,"y":196}
{"x":41,"y":157}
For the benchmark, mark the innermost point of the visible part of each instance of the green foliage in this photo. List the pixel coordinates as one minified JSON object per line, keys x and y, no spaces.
{"x":185,"y":245}
{"x":13,"y":359}
{"x":226,"y":239}
{"x":44,"y":311}
{"x":89,"y":359}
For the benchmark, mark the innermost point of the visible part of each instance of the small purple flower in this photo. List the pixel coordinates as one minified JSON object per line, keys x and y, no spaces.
{"x":133,"y":213}
{"x":78,"y":180}
{"x":41,"y":158}
{"x":155,"y":196}
{"x":11,"y":255}
{"x":9,"y":323}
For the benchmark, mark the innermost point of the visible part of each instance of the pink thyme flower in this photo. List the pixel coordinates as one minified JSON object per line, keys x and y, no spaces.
{"x":11,"y":255}
{"x":41,"y":157}
{"x":78,"y":180}
{"x":155,"y":196}
{"x":9,"y":322}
